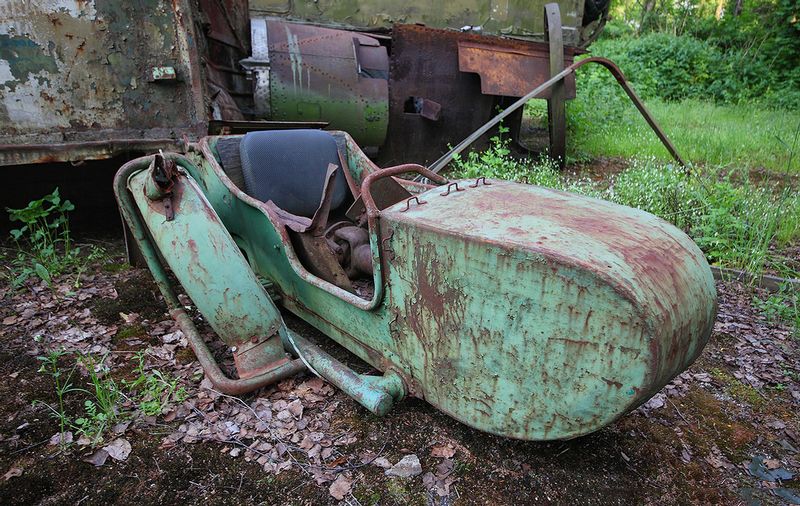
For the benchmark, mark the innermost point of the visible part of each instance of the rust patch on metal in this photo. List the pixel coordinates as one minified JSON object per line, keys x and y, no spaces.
{"x":511,"y":68}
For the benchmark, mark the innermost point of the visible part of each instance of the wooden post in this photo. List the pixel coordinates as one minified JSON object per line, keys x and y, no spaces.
{"x":556,"y":104}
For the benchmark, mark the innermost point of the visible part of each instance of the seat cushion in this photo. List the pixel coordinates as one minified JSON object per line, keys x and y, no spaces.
{"x":288,"y":167}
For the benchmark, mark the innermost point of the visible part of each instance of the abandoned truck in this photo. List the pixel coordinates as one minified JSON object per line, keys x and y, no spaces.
{"x":91,"y":79}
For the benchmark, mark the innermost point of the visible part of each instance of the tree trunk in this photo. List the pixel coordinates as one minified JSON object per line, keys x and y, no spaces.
{"x":647,"y":9}
{"x":720,"y":9}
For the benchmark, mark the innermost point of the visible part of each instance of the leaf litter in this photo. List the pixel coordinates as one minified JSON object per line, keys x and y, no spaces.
{"x":291,"y":425}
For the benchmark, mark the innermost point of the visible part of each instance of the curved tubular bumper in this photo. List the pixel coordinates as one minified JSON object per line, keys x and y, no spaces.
{"x":604,"y":62}
{"x":376,"y":393}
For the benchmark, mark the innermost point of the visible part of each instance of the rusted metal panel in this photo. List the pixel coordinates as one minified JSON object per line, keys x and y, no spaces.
{"x":510,"y":68}
{"x":452,"y":69}
{"x":424,"y":65}
{"x":226,"y":41}
{"x":535,"y":313}
{"x":556,"y":105}
{"x":319,"y":74}
{"x":514,"y":18}
{"x":76,"y":73}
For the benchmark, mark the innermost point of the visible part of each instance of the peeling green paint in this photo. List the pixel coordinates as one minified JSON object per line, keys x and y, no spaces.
{"x":25,"y":58}
{"x":75,"y":67}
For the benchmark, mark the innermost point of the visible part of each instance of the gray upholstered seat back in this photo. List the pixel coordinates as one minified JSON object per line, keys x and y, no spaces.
{"x":288,"y":167}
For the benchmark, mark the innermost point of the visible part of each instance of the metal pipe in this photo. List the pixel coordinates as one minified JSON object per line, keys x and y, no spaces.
{"x":376,"y":393}
{"x":366,"y":194}
{"x":604,"y":62}
{"x":218,"y":378}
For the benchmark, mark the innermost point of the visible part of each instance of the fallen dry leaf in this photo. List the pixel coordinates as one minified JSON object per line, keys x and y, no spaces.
{"x":98,"y":458}
{"x":295,"y":408}
{"x":120,"y":428}
{"x":118,"y":449}
{"x":16,"y":471}
{"x":340,"y":488}
{"x":443,"y":451}
{"x":59,"y":438}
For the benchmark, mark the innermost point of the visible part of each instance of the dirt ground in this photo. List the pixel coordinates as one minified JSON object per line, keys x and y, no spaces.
{"x":727,"y":431}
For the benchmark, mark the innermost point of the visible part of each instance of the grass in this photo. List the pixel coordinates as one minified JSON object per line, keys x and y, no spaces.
{"x":782,"y":305}
{"x":104,"y":401}
{"x":719,"y":135}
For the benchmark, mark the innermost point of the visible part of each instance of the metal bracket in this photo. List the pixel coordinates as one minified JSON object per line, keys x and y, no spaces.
{"x":258,"y":65}
{"x":556,"y":105}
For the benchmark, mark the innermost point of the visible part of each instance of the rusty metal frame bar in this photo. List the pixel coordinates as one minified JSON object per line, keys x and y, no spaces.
{"x":604,"y":62}
{"x":13,"y":154}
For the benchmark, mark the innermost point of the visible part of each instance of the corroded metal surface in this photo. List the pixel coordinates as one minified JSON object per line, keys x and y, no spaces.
{"x":536,"y":313}
{"x":227,"y":293}
{"x":452,"y":69}
{"x":509,"y":68}
{"x":515,"y":18}
{"x":73,"y":73}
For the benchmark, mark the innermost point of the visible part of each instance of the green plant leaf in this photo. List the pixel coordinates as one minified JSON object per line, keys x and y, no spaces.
{"x":43,"y":273}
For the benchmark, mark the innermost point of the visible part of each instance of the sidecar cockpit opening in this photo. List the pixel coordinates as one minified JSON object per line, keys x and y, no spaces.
{"x":299,"y":175}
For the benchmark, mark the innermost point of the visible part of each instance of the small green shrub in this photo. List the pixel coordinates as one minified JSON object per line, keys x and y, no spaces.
{"x":102,"y":410}
{"x":783,"y":305}
{"x":498,"y":162}
{"x":664,"y":190}
{"x":103,"y":402}
{"x":733,"y":221}
{"x":44,"y":245}
{"x":153,"y":391}
{"x":62,"y":381}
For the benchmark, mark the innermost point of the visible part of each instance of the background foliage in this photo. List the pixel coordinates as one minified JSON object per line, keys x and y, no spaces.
{"x":724,"y":50}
